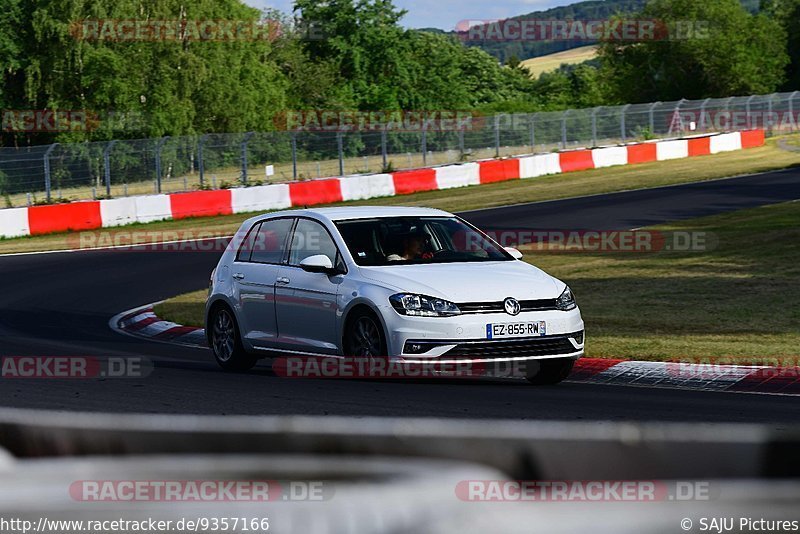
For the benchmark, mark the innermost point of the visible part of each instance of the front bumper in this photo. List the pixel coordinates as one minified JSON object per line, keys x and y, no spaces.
{"x":463,"y":337}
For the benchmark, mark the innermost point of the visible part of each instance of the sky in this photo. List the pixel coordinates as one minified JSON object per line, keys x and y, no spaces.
{"x":446,"y":14}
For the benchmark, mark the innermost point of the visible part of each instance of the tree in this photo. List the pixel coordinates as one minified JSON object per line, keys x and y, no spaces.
{"x":727,"y":51}
{"x":787,"y":14}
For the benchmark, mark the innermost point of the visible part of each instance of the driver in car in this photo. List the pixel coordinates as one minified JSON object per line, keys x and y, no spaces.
{"x":413,"y":248}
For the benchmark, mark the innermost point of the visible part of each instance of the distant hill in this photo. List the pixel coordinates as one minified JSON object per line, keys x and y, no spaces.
{"x":551,"y":62}
{"x":589,"y":10}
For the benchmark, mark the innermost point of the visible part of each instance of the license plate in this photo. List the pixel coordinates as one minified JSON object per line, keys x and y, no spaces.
{"x":509,"y":330}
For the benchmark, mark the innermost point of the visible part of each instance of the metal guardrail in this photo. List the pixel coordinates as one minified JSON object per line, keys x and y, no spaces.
{"x":526,"y":450}
{"x":171,"y":164}
{"x":397,"y":475}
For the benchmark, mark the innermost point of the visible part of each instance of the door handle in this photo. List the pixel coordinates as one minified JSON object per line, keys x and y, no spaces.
{"x":283,"y":280}
{"x":238,"y":276}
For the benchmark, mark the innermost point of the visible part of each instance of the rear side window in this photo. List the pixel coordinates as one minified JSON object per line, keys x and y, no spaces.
{"x":247,"y":245}
{"x":266,"y":242}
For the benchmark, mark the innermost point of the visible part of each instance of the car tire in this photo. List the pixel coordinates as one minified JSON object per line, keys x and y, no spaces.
{"x":549,"y":372}
{"x":226,"y":343}
{"x":364,"y":337}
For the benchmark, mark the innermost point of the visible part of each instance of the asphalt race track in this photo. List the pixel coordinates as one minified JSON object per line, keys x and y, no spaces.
{"x":60,"y":304}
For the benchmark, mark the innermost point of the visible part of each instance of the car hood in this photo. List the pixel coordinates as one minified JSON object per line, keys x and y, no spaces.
{"x":469,"y":282}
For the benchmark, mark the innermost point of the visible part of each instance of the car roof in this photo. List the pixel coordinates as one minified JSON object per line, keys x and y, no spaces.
{"x":359,"y":212}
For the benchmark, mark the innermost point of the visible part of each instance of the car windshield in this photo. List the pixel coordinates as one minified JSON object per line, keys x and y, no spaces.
{"x":417,"y":240}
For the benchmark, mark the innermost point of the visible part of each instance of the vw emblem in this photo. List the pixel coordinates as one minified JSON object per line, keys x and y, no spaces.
{"x":512,"y":306}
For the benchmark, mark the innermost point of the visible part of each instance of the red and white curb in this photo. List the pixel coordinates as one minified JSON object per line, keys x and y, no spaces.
{"x":143,"y":322}
{"x":689,"y":376}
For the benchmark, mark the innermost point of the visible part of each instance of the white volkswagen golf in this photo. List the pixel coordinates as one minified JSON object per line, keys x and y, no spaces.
{"x":414,"y":284}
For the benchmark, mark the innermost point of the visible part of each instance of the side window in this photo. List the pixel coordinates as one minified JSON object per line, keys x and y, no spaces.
{"x":247,"y":245}
{"x":310,"y":239}
{"x":269,"y":245}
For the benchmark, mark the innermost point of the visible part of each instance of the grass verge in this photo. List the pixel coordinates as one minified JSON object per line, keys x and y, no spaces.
{"x":767,"y":158}
{"x":735,"y":303}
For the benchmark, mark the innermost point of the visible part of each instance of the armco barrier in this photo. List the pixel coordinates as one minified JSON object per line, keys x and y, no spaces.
{"x":642,"y":153}
{"x":541,"y":165}
{"x":201,"y":204}
{"x":672,"y":149}
{"x":315,"y":192}
{"x":451,"y":176}
{"x":408,"y":182}
{"x":118,"y":211}
{"x":700,"y":146}
{"x":610,"y":156}
{"x":499,"y":170}
{"x":577,"y":160}
{"x":153,"y":208}
{"x":261,"y":198}
{"x":365,"y":187}
{"x":64,"y":217}
{"x":38,"y":220}
{"x":753,"y":138}
{"x":726,"y":142}
{"x":14,"y":222}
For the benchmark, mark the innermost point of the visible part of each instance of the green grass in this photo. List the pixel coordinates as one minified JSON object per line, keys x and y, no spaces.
{"x":766,"y":158}
{"x":735,"y":303}
{"x":539,"y":65}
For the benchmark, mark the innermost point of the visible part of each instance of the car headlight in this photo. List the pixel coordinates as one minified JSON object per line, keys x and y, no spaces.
{"x":422,"y":306}
{"x":566,"y":301}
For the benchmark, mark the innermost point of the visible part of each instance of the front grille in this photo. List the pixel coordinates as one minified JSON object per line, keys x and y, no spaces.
{"x":499,"y":307}
{"x":513,"y":348}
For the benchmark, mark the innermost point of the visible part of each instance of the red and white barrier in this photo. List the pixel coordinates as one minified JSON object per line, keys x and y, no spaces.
{"x":726,"y":143}
{"x":366,"y":186}
{"x":451,"y":176}
{"x":14,"y":222}
{"x":541,"y":165}
{"x":38,"y":220}
{"x":152,"y":208}
{"x":261,"y":198}
{"x":676,"y":149}
{"x":610,"y":156}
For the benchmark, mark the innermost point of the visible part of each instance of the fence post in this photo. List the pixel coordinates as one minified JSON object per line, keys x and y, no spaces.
{"x":245,"y":141}
{"x":651,"y":117}
{"x":623,"y":129}
{"x":159,"y":147}
{"x":497,"y":135}
{"x":201,"y":165}
{"x":47,"y":180}
{"x":294,"y":155}
{"x":533,"y":132}
{"x":747,"y":109}
{"x":594,"y":126}
{"x":424,"y":146}
{"x":461,"y":145}
{"x":702,"y":123}
{"x":340,"y":148}
{"x":107,"y":166}
{"x":791,"y":109}
{"x":564,"y":129}
{"x":385,"y":147}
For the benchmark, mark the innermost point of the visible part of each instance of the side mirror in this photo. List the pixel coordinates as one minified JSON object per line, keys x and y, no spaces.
{"x":317,"y":264}
{"x":516,"y":254}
